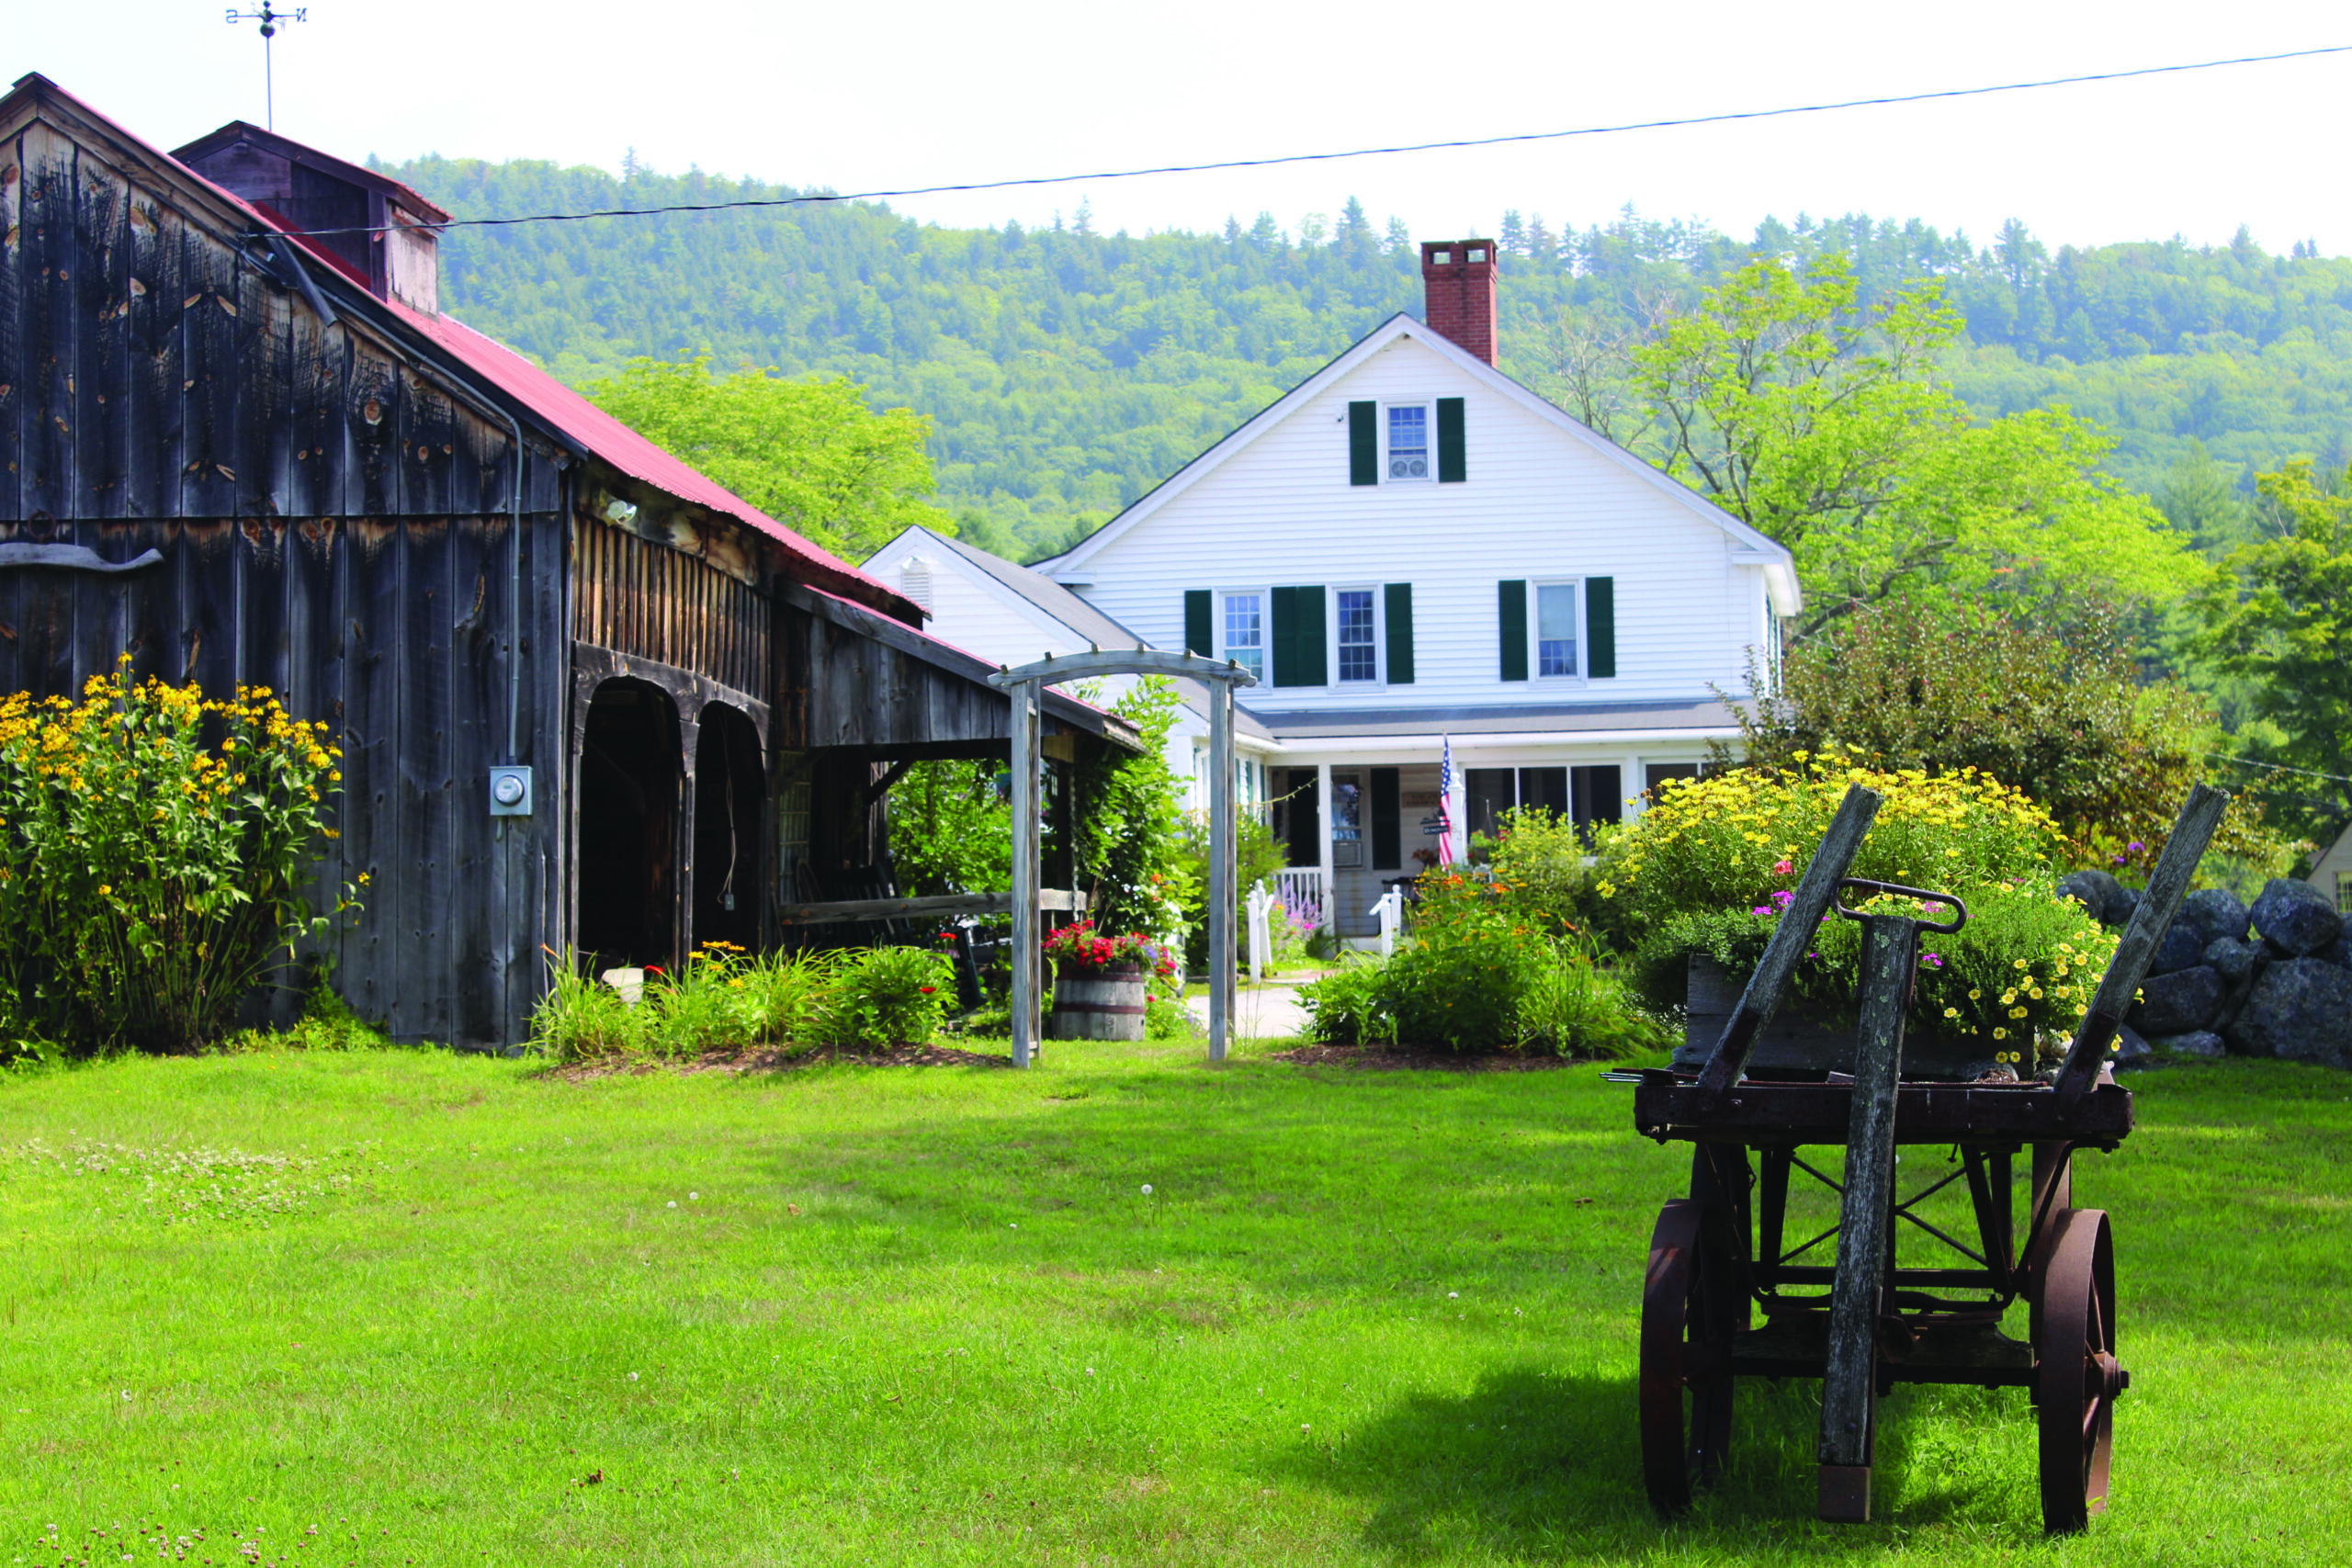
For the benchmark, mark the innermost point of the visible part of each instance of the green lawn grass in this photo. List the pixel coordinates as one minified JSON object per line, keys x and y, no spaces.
{"x":928,"y":1315}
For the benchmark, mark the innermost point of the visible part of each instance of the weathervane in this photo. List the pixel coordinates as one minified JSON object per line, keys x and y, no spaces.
{"x":270,"y":21}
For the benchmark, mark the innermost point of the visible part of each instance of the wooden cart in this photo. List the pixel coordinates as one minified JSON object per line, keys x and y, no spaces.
{"x":1723,"y":1257}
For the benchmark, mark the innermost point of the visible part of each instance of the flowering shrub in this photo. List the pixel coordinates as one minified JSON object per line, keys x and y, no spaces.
{"x":149,"y":879}
{"x":1079,"y":946}
{"x":1724,"y":839}
{"x":1713,"y":865}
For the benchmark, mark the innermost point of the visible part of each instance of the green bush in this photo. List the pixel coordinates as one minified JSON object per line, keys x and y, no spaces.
{"x":726,"y":999}
{"x":893,"y":996}
{"x":1475,"y":976}
{"x":150,"y":877}
{"x":1348,"y":1006}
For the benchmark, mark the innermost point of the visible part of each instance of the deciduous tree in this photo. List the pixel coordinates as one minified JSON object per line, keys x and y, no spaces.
{"x":810,"y":453}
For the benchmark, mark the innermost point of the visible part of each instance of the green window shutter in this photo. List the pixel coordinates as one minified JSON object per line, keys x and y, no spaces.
{"x":1307,"y":644}
{"x":1452,"y":466}
{"x":1363,"y":443}
{"x":1511,"y":614}
{"x":1200,"y":630}
{"x":1400,"y":598}
{"x":1282,"y":637}
{"x":1600,"y":625}
{"x":1387,"y":822}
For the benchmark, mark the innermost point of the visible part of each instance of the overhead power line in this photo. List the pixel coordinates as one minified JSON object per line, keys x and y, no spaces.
{"x":2274,"y":767}
{"x":1727,"y":117}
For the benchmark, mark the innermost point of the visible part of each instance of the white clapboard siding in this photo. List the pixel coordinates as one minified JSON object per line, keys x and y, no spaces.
{"x":1538,"y":503}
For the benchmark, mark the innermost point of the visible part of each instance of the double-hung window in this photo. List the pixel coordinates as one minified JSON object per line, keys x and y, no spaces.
{"x":1408,"y":441}
{"x":1556,"y":628}
{"x":1359,"y":635}
{"x":1245,"y":632}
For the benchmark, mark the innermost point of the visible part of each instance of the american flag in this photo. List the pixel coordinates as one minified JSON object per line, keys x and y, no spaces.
{"x":1445,"y":805}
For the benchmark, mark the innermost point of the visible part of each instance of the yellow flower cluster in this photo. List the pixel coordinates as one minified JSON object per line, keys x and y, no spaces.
{"x":1730,"y":831}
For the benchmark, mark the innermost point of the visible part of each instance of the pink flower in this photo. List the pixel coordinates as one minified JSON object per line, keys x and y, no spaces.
{"x":1785,"y":868}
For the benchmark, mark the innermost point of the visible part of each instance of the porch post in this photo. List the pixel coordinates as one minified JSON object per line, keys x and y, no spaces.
{"x":1222,"y":868}
{"x":1025,"y":869}
{"x":1331,"y":892}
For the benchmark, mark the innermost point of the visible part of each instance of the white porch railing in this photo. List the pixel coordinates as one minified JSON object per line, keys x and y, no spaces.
{"x":1300,"y":890}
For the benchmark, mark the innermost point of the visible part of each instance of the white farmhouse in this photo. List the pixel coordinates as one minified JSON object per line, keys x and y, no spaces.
{"x":1411,"y":549}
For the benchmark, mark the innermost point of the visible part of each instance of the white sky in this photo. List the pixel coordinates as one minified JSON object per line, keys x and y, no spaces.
{"x":918,"y":93}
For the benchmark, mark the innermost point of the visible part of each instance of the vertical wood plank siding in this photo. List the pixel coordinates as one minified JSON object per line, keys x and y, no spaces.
{"x":334,"y":526}
{"x":637,"y":597}
{"x":392,"y":633}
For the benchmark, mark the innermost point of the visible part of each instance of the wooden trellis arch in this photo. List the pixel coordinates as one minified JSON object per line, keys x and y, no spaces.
{"x":1027,"y":685}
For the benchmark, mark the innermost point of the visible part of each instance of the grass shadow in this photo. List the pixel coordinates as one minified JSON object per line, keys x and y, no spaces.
{"x":1533,"y":1464}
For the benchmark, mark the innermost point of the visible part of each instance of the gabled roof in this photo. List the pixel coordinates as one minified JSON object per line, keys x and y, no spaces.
{"x":562,"y":415}
{"x":1083,"y":619}
{"x":1749,"y":545}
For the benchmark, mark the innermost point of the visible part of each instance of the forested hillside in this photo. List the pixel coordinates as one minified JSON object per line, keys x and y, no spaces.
{"x":1066,"y":371}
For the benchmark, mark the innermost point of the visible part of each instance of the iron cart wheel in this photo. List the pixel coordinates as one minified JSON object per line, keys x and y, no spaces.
{"x":1688,"y":1310}
{"x":2078,"y":1377}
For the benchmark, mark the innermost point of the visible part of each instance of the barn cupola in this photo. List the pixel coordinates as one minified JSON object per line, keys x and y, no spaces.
{"x":1458,"y":293}
{"x":375,"y":230}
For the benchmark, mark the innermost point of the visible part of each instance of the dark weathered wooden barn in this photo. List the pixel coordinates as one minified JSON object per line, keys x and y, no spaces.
{"x":588,"y":699}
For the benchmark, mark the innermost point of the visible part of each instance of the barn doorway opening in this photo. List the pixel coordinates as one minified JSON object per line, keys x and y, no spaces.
{"x":730,"y":788}
{"x":630,"y":780}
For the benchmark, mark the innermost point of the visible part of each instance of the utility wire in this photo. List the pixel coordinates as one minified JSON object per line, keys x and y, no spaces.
{"x":2274,"y":767}
{"x":1727,"y":117}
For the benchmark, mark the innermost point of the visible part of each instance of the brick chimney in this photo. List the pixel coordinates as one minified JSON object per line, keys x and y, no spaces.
{"x":1458,"y":284}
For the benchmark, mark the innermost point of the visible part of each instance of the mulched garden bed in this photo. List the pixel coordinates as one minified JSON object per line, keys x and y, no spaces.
{"x":1419,"y":1059}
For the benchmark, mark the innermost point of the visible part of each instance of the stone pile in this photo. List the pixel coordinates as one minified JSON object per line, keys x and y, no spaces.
{"x":2275,"y":980}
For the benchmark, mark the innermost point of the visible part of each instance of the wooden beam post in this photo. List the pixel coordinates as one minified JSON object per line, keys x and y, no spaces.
{"x":1791,"y":939}
{"x":1222,"y":868}
{"x":1025,"y":871}
{"x":1865,"y":1222}
{"x":2201,"y":815}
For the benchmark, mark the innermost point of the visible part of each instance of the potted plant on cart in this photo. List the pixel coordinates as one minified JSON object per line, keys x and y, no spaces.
{"x":1102,"y":983}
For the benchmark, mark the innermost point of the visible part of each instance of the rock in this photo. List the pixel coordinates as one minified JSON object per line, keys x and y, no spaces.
{"x":2198,"y":1043}
{"x":2236,"y":960}
{"x":2130,"y":1051}
{"x":2121,"y":907}
{"x":2178,"y":1002}
{"x":2094,"y":890}
{"x":2214,"y":913}
{"x":2180,"y":948}
{"x":2295,"y":918}
{"x":2340,"y":954}
{"x":2301,"y":1009}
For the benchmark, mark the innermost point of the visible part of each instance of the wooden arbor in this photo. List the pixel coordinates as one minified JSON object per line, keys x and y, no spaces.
{"x":1027,"y":685}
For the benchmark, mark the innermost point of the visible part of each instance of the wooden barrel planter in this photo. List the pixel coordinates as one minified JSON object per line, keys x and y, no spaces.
{"x":1096,"y":1004}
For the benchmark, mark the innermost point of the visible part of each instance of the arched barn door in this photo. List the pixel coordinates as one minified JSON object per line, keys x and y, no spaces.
{"x":629,"y":781}
{"x":729,"y":786}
